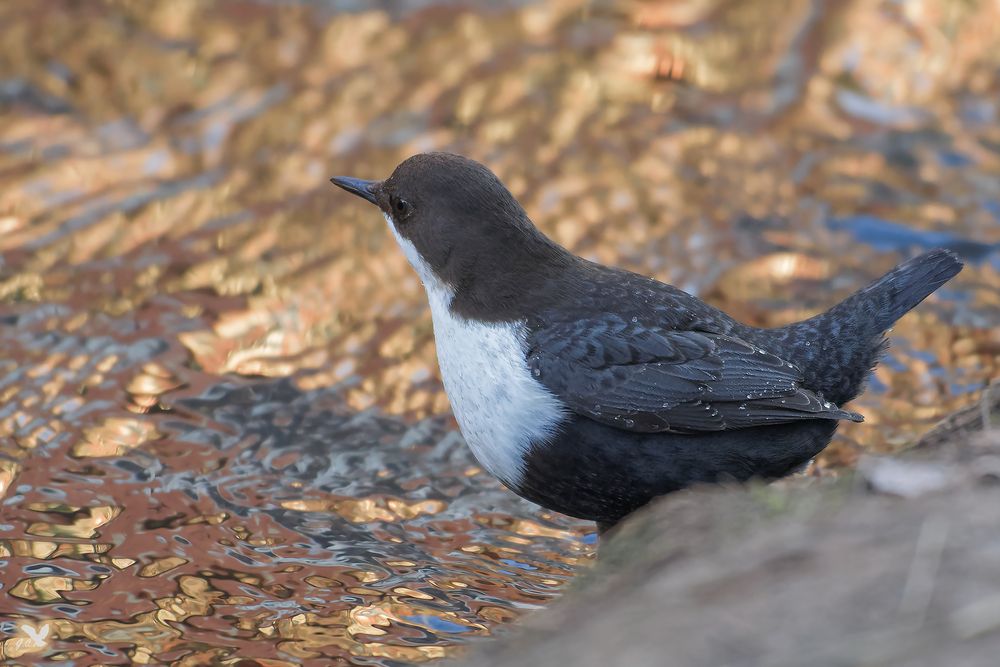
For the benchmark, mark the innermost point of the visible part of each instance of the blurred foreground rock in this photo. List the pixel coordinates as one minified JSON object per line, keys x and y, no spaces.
{"x":896,"y":564}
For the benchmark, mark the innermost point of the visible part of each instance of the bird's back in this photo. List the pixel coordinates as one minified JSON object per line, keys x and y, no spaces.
{"x":835,"y":350}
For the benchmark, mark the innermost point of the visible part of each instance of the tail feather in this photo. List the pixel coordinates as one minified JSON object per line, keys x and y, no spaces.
{"x":838,"y":349}
{"x":899,"y":291}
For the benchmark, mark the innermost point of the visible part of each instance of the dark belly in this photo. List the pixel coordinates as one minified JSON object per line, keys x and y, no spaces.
{"x":596,"y":472}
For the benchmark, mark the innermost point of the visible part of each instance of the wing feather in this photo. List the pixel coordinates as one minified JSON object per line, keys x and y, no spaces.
{"x":649,"y":379}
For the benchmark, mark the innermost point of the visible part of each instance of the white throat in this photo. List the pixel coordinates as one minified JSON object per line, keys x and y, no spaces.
{"x":499,"y":406}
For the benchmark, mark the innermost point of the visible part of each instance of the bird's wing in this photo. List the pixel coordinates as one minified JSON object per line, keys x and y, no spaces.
{"x":648,"y":379}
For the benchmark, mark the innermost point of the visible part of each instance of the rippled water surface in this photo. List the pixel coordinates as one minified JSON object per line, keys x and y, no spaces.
{"x":222,"y":434}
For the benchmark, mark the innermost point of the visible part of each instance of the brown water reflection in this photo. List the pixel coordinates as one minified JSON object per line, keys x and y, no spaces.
{"x":222,"y":436}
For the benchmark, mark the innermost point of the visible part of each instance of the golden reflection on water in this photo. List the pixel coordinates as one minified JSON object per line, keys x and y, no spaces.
{"x":222,"y":436}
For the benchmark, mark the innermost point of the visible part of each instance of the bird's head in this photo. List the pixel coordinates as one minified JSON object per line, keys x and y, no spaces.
{"x":455,"y":221}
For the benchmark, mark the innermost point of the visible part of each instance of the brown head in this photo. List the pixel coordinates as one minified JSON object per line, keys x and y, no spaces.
{"x":454,"y":218}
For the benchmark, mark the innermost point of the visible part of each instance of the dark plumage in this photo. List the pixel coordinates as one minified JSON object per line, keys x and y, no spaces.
{"x":657,"y":390}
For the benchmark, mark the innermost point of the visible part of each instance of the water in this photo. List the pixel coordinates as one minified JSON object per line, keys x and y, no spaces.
{"x":222,"y":436}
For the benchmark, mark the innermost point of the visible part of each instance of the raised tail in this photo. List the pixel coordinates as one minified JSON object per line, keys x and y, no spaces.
{"x":837,"y":350}
{"x":899,"y":291}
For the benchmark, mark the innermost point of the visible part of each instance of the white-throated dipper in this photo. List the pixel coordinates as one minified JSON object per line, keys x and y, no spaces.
{"x":591,"y":390}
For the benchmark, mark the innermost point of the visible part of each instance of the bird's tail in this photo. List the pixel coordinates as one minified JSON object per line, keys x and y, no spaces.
{"x":899,"y":291}
{"x":838,"y":349}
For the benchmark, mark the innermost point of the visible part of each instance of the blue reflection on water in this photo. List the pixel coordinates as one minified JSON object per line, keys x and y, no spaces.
{"x":436,"y":623}
{"x":887,"y":236}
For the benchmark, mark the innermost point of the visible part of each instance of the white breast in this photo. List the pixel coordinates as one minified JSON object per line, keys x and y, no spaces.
{"x":499,"y":406}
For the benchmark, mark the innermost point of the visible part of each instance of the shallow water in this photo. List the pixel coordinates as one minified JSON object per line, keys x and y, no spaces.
{"x":222,"y":436}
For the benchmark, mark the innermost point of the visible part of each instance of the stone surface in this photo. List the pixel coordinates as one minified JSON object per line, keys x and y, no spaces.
{"x":817,"y":572}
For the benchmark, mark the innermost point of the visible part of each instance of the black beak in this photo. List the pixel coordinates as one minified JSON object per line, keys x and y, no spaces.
{"x":356,"y":186}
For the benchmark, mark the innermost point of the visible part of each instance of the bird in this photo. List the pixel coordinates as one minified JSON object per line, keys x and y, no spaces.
{"x":591,"y":390}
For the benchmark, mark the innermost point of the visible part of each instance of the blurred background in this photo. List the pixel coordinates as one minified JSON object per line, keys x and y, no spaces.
{"x":223,"y":437}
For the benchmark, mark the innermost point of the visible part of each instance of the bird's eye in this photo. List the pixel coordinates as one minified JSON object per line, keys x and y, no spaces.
{"x":400,"y":207}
